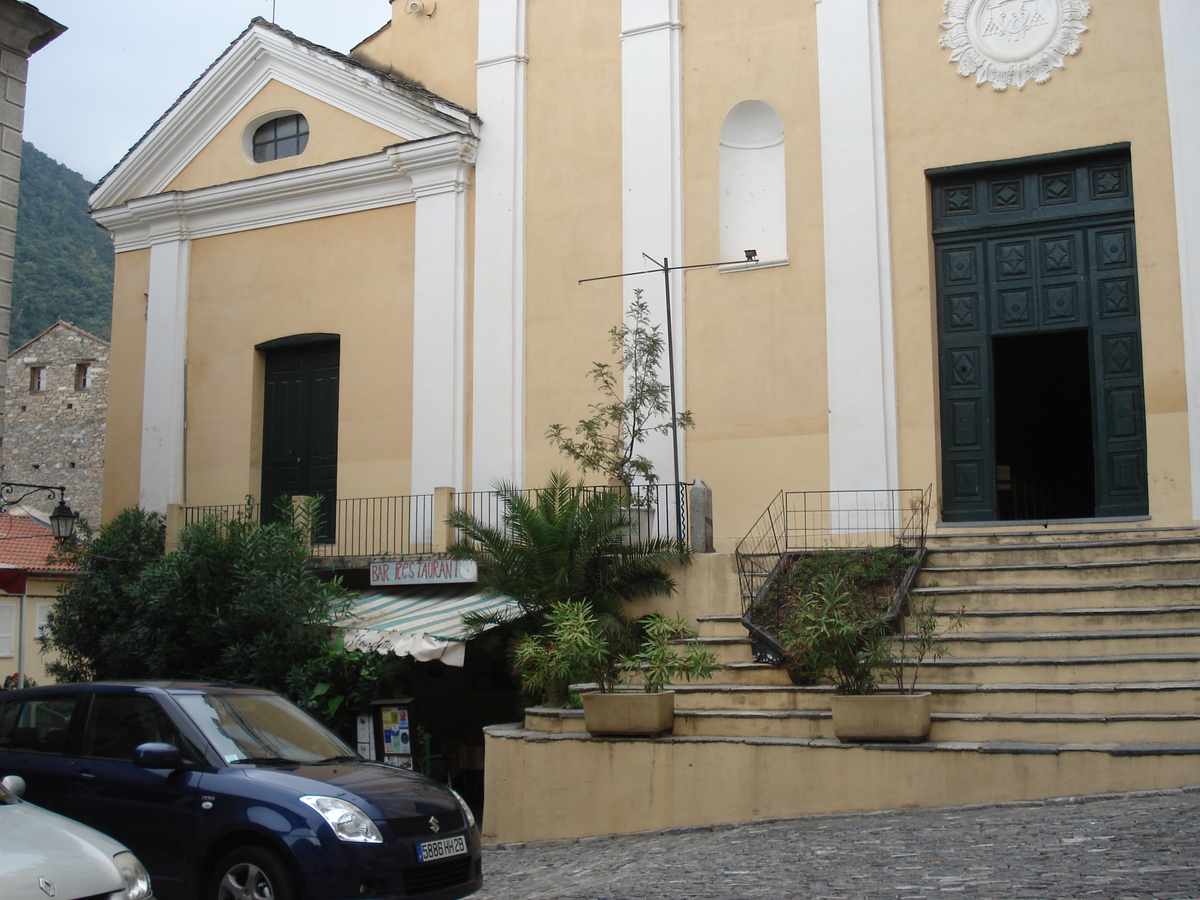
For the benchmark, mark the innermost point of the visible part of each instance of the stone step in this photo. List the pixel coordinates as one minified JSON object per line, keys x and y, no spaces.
{"x":1107,"y":698}
{"x":983,"y":598}
{"x":1064,"y":669}
{"x":1080,"y":551}
{"x":728,"y":650}
{"x":1066,"y":728}
{"x":751,"y":674}
{"x":955,"y":538}
{"x":1083,"y":619}
{"x":721,"y":626}
{"x":808,"y":723}
{"x":1032,"y":645}
{"x":1030,"y":573}
{"x":1095,"y":698}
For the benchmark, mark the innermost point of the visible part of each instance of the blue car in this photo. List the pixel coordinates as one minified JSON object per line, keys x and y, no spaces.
{"x":233,"y":793}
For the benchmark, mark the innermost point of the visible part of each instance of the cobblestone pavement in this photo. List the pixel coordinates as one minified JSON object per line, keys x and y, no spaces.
{"x":1143,"y":845}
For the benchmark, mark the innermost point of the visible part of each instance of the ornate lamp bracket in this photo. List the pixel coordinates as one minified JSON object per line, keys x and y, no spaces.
{"x":62,"y":520}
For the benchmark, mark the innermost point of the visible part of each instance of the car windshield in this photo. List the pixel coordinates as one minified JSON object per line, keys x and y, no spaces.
{"x":261,"y":729}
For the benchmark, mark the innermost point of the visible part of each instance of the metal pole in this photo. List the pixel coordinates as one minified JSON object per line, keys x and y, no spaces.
{"x":666,"y":266}
{"x":671,"y":366}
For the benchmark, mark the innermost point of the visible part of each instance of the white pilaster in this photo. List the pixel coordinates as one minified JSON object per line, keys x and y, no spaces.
{"x":165,"y":398}
{"x":498,"y":364}
{"x":1180,"y":20}
{"x":439,"y":169}
{"x":858,"y":297}
{"x":651,"y":174}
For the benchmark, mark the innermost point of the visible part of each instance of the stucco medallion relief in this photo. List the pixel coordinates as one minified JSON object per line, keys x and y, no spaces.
{"x":1008,"y":42}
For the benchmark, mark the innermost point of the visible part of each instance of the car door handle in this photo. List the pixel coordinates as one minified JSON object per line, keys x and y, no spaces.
{"x":86,"y":776}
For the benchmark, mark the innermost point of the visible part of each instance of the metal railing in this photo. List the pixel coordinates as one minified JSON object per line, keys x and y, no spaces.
{"x":801,"y":521}
{"x":658,"y":510}
{"x":362,"y":527}
{"x":408,"y":525}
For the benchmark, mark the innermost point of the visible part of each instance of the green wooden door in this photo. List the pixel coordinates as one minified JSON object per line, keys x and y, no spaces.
{"x":300,"y":428}
{"x":1040,"y":247}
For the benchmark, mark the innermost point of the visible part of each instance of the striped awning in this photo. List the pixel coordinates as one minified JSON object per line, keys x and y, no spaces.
{"x":425,"y":622}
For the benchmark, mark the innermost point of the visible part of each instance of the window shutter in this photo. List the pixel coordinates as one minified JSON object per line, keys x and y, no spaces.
{"x":8,"y":627}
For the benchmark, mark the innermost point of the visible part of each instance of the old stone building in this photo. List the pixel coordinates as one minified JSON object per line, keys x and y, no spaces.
{"x":23,"y":31}
{"x":57,"y":403}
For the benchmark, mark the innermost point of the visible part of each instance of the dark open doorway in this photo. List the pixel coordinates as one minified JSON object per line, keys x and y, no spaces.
{"x":1045,"y":453}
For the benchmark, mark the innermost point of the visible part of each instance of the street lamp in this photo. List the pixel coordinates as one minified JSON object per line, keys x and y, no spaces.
{"x":62,"y":520}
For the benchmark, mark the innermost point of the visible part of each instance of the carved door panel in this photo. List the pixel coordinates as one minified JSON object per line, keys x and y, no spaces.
{"x":1040,"y":247}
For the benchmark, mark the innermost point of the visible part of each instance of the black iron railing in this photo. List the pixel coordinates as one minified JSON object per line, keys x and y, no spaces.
{"x":656,"y":510}
{"x":411,"y":525}
{"x":365,"y":526}
{"x":799,"y":522}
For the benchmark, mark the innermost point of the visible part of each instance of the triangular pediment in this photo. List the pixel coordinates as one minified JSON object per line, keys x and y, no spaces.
{"x":262,"y":54}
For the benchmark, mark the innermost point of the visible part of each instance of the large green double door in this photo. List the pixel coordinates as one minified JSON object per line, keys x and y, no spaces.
{"x":1040,"y":369}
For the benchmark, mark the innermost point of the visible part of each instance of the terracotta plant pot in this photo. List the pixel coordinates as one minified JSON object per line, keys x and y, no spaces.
{"x":629,"y":712}
{"x":881,"y":717}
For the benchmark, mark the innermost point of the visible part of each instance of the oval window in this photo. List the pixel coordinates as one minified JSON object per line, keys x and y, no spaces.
{"x":280,"y":138}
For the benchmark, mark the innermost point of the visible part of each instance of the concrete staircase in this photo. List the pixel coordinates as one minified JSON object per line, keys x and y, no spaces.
{"x":1084,"y":638}
{"x":1077,"y":670}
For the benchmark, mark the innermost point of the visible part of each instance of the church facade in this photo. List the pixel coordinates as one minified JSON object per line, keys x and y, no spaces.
{"x":904,"y":244}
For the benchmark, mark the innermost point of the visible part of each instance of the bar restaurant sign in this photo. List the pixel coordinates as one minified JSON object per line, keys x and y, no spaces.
{"x":423,"y":571}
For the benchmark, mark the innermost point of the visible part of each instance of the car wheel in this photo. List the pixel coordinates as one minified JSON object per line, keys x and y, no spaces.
{"x":251,"y":873}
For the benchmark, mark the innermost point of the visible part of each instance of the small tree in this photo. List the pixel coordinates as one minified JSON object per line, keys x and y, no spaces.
{"x":635,"y":403}
{"x":238,"y":601}
{"x":94,"y":623}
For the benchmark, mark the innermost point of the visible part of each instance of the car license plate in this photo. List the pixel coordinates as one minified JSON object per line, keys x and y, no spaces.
{"x":443,"y":849}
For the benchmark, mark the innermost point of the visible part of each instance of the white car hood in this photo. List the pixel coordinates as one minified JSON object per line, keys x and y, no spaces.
{"x":75,"y":859}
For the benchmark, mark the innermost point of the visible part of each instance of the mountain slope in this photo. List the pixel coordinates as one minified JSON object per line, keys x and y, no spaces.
{"x":64,"y":261}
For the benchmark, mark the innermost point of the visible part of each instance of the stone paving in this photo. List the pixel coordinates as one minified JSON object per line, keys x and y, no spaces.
{"x":1111,"y":847}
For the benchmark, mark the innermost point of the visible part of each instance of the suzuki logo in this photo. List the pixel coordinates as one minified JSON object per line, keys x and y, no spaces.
{"x":434,"y":825}
{"x":46,"y":886}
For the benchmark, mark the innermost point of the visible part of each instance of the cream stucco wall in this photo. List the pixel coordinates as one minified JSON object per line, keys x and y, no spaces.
{"x":438,"y":50}
{"x":347,"y":275}
{"x":755,"y":339}
{"x":29,"y":656}
{"x":332,"y":135}
{"x":573,"y":195}
{"x":123,"y":442}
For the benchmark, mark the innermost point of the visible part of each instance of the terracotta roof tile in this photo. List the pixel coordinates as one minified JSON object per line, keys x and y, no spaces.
{"x":25,"y":543}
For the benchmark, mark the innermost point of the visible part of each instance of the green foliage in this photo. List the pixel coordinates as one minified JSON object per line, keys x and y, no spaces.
{"x":334,"y":684}
{"x":63,"y":267}
{"x":93,"y":624}
{"x":237,"y":601}
{"x":918,"y":641}
{"x":575,"y":648}
{"x":659,"y":661}
{"x":838,"y":636}
{"x":565,"y":542}
{"x":633,"y":400}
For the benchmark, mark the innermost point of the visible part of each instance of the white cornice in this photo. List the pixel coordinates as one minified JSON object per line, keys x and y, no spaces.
{"x":386,"y":178}
{"x":260,"y":55}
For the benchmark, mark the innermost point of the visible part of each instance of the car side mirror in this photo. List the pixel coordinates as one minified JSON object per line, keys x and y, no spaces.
{"x":156,"y":755}
{"x":15,"y":785}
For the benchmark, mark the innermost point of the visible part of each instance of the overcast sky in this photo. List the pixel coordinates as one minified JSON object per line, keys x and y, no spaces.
{"x":96,"y":89}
